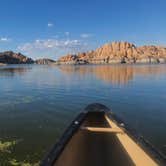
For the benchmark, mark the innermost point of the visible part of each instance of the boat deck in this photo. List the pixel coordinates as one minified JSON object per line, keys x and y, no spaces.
{"x":88,"y":148}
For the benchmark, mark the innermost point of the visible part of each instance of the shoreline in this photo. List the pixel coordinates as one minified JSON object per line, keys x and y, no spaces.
{"x":3,"y":64}
{"x":85,"y":64}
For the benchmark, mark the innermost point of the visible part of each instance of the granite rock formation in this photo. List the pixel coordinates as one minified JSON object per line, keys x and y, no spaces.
{"x":9,"y":57}
{"x":118,"y":52}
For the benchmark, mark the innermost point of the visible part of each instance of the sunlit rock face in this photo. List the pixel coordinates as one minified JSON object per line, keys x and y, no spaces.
{"x":152,"y":54}
{"x":118,"y":52}
{"x":162,"y":60}
{"x":72,"y":59}
{"x":9,"y":57}
{"x":68,"y":59}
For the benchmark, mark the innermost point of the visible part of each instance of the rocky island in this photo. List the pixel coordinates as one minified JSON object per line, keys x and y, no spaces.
{"x":9,"y":57}
{"x":117,"y":52}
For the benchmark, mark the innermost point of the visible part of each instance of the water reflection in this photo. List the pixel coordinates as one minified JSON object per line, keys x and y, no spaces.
{"x":117,"y":74}
{"x":40,"y":101}
{"x":14,"y":70}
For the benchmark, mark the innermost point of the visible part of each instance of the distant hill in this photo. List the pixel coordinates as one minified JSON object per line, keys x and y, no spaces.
{"x":44,"y":61}
{"x":9,"y":57}
{"x":118,"y":52}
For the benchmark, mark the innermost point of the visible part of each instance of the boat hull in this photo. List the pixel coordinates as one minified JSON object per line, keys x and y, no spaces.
{"x":96,"y":137}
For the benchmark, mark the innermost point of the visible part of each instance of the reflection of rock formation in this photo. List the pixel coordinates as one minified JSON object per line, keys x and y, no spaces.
{"x":11,"y":71}
{"x":146,"y":71}
{"x":112,"y":74}
{"x":82,"y":70}
{"x":116,"y":74}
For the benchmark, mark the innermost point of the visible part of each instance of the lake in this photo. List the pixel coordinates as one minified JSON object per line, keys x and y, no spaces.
{"x":38,"y":102}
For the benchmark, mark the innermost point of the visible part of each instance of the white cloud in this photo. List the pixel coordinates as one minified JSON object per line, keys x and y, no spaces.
{"x":47,"y":43}
{"x":4,"y":39}
{"x":67,"y":33}
{"x":50,"y":24}
{"x":53,"y":47}
{"x":86,"y":35}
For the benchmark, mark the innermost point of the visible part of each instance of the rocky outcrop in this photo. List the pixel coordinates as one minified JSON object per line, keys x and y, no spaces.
{"x":9,"y":57}
{"x":153,"y":54}
{"x":118,"y":52}
{"x":44,"y":61}
{"x":71,"y":59}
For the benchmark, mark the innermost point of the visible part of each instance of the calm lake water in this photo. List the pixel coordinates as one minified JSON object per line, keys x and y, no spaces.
{"x":38,"y":102}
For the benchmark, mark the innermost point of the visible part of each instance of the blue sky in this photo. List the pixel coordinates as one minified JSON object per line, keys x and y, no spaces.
{"x":52,"y":28}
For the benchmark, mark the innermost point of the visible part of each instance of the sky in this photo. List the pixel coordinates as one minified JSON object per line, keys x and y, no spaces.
{"x":53,"y":28}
